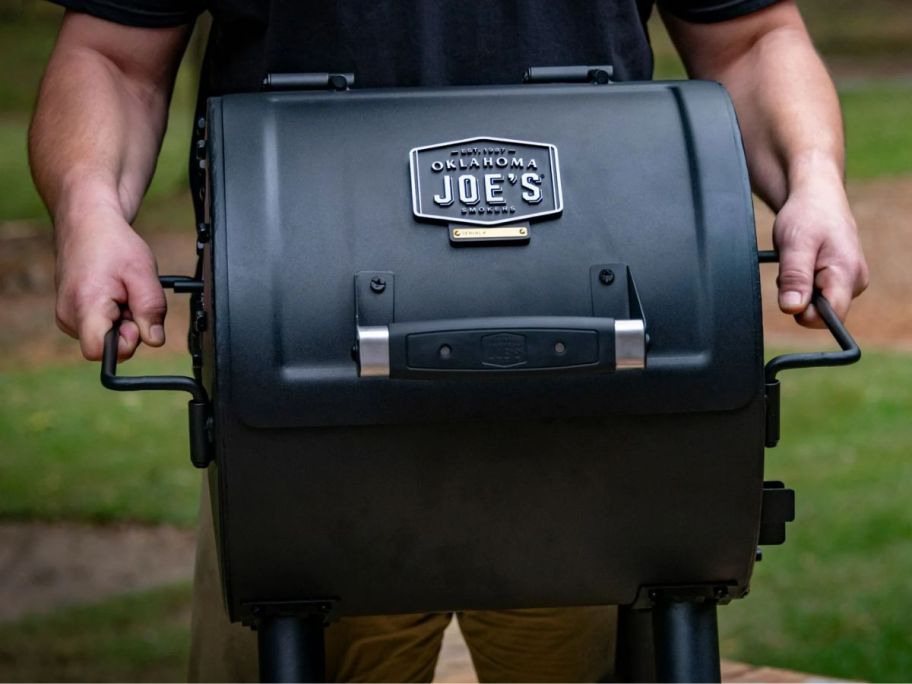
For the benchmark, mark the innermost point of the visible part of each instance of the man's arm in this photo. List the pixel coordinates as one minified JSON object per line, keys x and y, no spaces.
{"x":793,"y":138}
{"x":97,"y":129}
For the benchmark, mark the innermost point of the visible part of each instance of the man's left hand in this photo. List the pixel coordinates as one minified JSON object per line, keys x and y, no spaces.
{"x":817,"y":240}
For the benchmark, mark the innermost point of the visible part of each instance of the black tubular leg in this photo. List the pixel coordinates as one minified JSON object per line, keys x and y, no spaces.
{"x":686,"y":641}
{"x":635,"y":657}
{"x":291,"y":649}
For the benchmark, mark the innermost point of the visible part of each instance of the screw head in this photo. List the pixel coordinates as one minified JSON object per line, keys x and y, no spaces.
{"x":606,"y":276}
{"x":378,"y":285}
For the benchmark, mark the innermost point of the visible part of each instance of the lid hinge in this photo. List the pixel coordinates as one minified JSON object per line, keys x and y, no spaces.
{"x":597,"y":75}
{"x":309,"y":81}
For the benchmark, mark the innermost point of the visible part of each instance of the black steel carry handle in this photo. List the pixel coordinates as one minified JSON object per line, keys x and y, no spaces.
{"x":509,"y":344}
{"x":850,"y":352}
{"x":120,"y":383}
{"x":197,"y":407}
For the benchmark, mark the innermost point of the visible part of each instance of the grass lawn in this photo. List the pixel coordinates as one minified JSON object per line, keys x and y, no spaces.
{"x":878,"y":122}
{"x":70,"y":449}
{"x":138,"y":638}
{"x":835,"y":599}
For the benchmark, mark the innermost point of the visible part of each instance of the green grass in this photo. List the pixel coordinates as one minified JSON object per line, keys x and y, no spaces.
{"x":27,"y":31}
{"x":878,"y":121}
{"x":137,"y":638}
{"x":19,"y":200}
{"x":70,"y":449}
{"x":835,"y":599}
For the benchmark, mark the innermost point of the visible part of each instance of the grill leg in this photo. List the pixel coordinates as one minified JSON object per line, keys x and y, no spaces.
{"x":635,"y":656}
{"x":686,"y":641}
{"x":291,"y":648}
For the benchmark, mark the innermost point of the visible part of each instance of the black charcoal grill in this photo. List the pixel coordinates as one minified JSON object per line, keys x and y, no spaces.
{"x":482,"y":348}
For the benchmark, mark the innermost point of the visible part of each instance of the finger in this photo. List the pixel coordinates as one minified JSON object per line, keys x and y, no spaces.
{"x":796,"y":277}
{"x":94,"y":323}
{"x":128,"y":340}
{"x":148,"y":306}
{"x":838,"y":290}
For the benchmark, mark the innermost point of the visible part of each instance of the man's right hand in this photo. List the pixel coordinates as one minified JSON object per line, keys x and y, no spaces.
{"x":94,"y":138}
{"x":106,"y":272}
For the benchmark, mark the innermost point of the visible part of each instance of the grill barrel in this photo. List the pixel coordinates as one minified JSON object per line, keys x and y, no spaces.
{"x":568,"y":410}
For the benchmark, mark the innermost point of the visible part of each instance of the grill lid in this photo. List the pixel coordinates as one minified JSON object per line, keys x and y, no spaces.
{"x":578,"y":209}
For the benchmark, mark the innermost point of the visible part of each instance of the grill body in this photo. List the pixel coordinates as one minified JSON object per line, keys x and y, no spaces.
{"x":504,"y":489}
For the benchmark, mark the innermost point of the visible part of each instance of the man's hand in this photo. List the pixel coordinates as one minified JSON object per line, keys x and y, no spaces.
{"x":818,"y":246}
{"x":96,"y":132}
{"x":792,"y":131}
{"x":105,"y":271}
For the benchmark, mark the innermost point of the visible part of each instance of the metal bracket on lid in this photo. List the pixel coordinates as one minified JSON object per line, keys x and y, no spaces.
{"x":614,"y":295}
{"x":374,"y":311}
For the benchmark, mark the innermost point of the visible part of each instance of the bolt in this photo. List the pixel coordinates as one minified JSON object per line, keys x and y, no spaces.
{"x":560,"y":348}
{"x":606,"y":276}
{"x":378,"y":285}
{"x":446,"y":351}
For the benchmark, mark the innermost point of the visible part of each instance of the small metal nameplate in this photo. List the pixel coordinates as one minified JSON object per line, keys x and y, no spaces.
{"x":499,"y":234}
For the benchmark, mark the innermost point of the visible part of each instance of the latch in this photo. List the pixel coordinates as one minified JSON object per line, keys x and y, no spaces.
{"x":777,"y":509}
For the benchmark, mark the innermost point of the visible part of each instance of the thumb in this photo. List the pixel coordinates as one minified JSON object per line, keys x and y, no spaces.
{"x":146,"y":301}
{"x":796,"y":277}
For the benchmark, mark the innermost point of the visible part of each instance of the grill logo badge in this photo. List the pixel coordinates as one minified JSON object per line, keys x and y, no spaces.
{"x":485,"y":181}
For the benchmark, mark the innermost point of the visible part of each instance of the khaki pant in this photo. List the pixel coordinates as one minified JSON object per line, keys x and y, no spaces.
{"x":556,"y":644}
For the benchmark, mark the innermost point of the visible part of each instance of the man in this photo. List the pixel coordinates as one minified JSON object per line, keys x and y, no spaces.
{"x":102,"y":112}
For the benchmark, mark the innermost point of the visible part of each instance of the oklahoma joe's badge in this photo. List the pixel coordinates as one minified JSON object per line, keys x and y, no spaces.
{"x":485,"y":182}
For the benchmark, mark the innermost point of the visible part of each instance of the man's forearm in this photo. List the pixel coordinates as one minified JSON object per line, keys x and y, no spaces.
{"x":789,"y":113}
{"x":96,"y":131}
{"x":793,"y":137}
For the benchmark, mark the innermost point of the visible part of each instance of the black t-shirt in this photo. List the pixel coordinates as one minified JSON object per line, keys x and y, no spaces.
{"x":414,"y":42}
